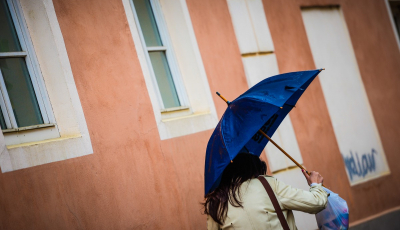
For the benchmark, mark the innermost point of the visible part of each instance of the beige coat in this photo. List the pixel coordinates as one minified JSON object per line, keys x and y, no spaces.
{"x":258,"y":211}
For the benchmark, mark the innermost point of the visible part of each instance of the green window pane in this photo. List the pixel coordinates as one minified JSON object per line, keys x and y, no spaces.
{"x":395,"y":7}
{"x":164,"y":79}
{"x":147,"y":23}
{"x":2,"y":122}
{"x":8,"y":36}
{"x":20,"y":90}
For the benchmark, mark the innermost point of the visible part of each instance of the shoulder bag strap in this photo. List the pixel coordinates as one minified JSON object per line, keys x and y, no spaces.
{"x":274,"y":201}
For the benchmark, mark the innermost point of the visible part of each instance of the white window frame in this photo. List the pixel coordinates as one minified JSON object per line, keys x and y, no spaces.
{"x":171,"y":59}
{"x":13,"y":133}
{"x":51,"y":54}
{"x":201,"y":114}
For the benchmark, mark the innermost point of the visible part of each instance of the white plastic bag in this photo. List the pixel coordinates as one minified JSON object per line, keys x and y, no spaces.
{"x":335,"y":215}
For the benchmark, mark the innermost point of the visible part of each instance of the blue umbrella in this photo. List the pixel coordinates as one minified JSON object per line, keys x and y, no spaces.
{"x":250,"y":119}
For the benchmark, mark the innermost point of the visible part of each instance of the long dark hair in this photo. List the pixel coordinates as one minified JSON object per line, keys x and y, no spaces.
{"x":244,"y":167}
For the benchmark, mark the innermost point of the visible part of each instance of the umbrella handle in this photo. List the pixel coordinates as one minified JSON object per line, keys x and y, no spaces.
{"x":283,"y":151}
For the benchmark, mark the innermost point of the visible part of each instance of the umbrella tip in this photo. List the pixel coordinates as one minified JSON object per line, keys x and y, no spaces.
{"x":223,"y":98}
{"x":231,"y":161}
{"x":321,"y":69}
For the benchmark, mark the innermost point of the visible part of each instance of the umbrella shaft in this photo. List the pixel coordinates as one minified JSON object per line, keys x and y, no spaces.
{"x":283,"y":151}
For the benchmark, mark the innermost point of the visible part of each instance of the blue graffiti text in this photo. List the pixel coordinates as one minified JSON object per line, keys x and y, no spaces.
{"x":357,"y":167}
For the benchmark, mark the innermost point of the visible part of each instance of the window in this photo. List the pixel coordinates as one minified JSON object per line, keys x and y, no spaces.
{"x":44,"y":95}
{"x":395,"y":8}
{"x":160,"y":55}
{"x":25,"y":111}
{"x":22,"y":99}
{"x":165,"y":43}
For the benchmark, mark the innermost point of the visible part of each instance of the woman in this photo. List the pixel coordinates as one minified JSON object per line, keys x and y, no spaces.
{"x":241,"y":201}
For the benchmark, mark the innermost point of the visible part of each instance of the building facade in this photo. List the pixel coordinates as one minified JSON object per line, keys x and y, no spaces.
{"x":107,"y":106}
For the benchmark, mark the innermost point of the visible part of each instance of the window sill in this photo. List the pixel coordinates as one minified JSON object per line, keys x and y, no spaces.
{"x":42,"y":142}
{"x":28,"y":128}
{"x":26,"y":155}
{"x":193,"y":115}
{"x":175,"y":112}
{"x":173,"y":109}
{"x":30,"y":134}
{"x":186,"y":124}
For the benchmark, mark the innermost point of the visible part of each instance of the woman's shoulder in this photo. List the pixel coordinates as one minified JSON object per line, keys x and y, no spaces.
{"x":271,"y":180}
{"x":275,"y":184}
{"x":268,"y":178}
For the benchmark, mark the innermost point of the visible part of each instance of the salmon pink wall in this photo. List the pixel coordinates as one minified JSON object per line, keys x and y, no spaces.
{"x":378,"y":56}
{"x":133,"y":180}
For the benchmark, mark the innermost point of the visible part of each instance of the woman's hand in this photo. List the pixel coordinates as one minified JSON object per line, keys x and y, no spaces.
{"x":314,"y":177}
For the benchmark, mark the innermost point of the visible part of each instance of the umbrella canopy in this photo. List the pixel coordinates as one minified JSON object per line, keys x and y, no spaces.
{"x":262,"y":107}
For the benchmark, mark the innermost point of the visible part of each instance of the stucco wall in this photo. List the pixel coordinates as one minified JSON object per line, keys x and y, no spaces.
{"x":132,"y":180}
{"x":377,"y":56}
{"x":135,"y":181}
